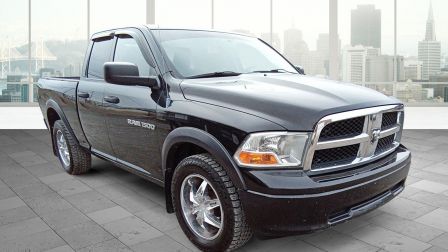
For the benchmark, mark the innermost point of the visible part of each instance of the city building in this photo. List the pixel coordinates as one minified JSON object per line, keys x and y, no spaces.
{"x":354,"y":62}
{"x":17,"y":88}
{"x":439,"y":88}
{"x":380,"y":68}
{"x":429,"y":49}
{"x":429,"y":54}
{"x":412,"y":92}
{"x":413,"y":69}
{"x":314,"y":64}
{"x":295,"y":48}
{"x":323,"y":48}
{"x":445,"y":97}
{"x":323,"y":44}
{"x":366,"y":26}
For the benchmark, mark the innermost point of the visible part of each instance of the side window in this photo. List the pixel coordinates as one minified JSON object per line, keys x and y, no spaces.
{"x":100,"y":54}
{"x":127,"y":50}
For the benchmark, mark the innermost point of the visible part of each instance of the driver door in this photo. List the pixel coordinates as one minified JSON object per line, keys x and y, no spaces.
{"x":131,"y":112}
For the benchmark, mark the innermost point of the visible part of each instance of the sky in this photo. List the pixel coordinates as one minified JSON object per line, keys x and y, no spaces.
{"x":66,"y":19}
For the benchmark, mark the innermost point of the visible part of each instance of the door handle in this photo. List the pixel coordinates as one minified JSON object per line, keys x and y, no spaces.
{"x":111,"y":99}
{"x":83,"y":95}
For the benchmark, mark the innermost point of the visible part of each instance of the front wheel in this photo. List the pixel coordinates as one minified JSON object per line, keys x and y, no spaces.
{"x":207,"y":205}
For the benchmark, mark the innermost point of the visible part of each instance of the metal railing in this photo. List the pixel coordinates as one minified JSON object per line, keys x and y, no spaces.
{"x":414,"y":93}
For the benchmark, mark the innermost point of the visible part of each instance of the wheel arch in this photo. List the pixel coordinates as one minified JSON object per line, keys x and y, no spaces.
{"x":54,"y":113}
{"x":186,"y":141}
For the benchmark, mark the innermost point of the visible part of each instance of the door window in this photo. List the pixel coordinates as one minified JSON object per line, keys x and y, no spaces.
{"x":127,"y":50}
{"x":100,"y":54}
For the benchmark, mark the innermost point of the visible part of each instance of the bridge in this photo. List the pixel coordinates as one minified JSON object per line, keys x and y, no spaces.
{"x":11,"y":55}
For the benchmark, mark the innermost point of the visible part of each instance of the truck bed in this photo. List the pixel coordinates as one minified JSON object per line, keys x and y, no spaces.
{"x":63,"y":90}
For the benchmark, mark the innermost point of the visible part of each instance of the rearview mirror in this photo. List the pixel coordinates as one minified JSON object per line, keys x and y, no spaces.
{"x":124,"y":73}
{"x":300,"y":69}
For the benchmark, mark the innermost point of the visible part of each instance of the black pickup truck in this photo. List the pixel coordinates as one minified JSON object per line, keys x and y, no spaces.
{"x":242,"y":141}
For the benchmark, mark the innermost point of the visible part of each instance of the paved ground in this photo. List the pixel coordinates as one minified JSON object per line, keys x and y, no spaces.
{"x":42,"y":208}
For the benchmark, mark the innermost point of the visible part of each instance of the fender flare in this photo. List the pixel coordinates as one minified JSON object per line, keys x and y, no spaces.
{"x":207,"y":142}
{"x":54,"y":105}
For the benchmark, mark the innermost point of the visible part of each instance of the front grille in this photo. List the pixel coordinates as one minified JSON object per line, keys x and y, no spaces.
{"x":335,"y":156}
{"x":385,"y":144}
{"x":343,"y":129}
{"x":350,"y":139}
{"x":389,"y":120}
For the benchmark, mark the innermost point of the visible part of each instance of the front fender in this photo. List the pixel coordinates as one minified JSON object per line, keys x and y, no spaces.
{"x":207,"y":142}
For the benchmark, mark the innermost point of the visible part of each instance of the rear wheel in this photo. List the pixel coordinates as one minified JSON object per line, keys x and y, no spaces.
{"x":207,"y":205}
{"x":74,"y":159}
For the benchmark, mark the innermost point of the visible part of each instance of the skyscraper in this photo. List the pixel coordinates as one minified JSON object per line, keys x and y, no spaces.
{"x":354,"y":61}
{"x":430,"y":25}
{"x":429,"y":49}
{"x":366,"y":26}
{"x":295,"y":48}
{"x":323,"y":49}
{"x":323,"y":44}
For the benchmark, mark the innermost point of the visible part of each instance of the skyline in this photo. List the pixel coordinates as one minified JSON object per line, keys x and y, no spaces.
{"x":300,"y":52}
{"x":313,"y":55}
{"x":286,"y":14}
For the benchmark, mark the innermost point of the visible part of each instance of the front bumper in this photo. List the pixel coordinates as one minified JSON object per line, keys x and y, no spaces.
{"x":291,"y":202}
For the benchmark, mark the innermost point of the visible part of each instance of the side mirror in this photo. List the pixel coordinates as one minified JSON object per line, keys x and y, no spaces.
{"x":124,"y":73}
{"x":300,"y":69}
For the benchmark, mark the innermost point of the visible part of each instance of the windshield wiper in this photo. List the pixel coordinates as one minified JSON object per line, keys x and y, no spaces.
{"x":214,"y":74}
{"x":278,"y":70}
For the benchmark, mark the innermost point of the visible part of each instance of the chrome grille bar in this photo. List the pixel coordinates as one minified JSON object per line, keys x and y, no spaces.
{"x":389,"y":131}
{"x":367,"y":140}
{"x":342,"y":142}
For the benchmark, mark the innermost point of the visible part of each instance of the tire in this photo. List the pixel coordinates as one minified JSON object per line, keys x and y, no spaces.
{"x":234,"y":231}
{"x":79,"y":160}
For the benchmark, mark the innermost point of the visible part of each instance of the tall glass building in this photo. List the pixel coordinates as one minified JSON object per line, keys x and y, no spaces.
{"x":366,"y":26}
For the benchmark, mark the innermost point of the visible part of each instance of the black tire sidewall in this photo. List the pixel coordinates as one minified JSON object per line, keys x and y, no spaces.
{"x":59,"y":126}
{"x":224,"y":239}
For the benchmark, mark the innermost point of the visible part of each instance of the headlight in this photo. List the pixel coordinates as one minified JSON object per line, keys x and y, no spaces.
{"x":272,"y":149}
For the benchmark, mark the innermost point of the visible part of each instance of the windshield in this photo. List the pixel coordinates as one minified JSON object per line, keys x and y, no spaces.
{"x":201,"y":53}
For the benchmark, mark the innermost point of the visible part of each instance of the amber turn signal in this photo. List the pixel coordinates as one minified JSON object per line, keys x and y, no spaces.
{"x":257,"y":158}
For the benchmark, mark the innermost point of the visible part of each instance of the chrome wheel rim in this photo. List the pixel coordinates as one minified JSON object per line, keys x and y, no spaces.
{"x":201,"y":207}
{"x":64,"y":154}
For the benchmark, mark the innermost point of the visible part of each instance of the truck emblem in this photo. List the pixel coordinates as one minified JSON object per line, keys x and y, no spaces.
{"x":141,"y":124}
{"x":375,"y":135}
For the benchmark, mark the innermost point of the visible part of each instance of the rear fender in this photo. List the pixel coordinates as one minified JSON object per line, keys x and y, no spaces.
{"x":53,"y":105}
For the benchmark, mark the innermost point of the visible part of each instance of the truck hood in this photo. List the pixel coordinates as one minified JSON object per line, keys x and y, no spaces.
{"x":296,"y":102}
